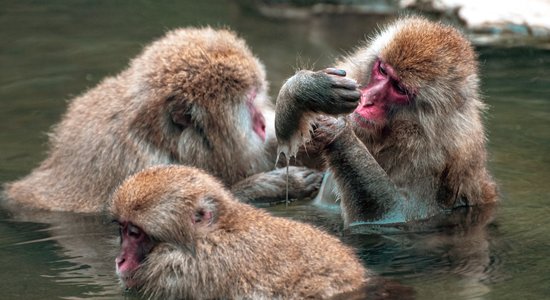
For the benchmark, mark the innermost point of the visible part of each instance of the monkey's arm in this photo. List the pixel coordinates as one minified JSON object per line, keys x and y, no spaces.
{"x":367,"y":193}
{"x":270,"y":187}
{"x":302,"y":97}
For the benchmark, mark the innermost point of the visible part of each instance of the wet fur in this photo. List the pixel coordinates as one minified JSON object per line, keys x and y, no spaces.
{"x":129,"y":122}
{"x":241,"y":253}
{"x":431,"y":151}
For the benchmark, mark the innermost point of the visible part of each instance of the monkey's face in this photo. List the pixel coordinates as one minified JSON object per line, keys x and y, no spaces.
{"x":202,"y":92}
{"x":227,"y":139}
{"x":414,"y":68}
{"x":383,"y":91}
{"x":135,"y":245}
{"x":162,"y":212}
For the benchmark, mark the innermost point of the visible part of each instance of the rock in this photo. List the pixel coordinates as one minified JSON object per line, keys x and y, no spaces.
{"x":494,"y":21}
{"x":487,"y":22}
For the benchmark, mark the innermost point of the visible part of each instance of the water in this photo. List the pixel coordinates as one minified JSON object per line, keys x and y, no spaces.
{"x":52,"y":51}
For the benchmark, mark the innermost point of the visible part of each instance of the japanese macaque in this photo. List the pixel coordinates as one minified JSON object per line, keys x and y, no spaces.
{"x":414,"y":146}
{"x":183,"y":236}
{"x":195,"y":97}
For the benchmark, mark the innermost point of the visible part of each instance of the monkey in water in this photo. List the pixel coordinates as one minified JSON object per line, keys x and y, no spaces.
{"x":414,"y":144}
{"x":183,"y":236}
{"x":197,"y":97}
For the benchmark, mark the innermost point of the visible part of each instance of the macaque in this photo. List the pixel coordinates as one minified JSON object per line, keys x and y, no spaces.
{"x":414,"y":144}
{"x":183,"y":236}
{"x":195,"y":97}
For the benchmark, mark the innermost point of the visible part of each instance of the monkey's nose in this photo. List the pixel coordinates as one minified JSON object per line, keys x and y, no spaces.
{"x":119,"y":261}
{"x":367,"y":98}
{"x":366,"y":101}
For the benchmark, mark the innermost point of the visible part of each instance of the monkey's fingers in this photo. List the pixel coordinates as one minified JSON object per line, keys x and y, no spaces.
{"x":325,"y":127}
{"x":312,"y":183}
{"x":346,"y":96}
{"x":335,"y":71}
{"x":344,"y":83}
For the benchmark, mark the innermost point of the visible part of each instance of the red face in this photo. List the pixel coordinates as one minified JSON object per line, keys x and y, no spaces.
{"x":134,"y":247}
{"x":383,"y":89}
{"x":258,"y":121}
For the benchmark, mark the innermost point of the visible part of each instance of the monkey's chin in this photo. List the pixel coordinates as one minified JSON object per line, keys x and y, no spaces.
{"x":128,"y":282}
{"x":364,"y":123}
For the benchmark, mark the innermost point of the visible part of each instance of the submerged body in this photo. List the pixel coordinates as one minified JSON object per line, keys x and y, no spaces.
{"x":197,"y":96}
{"x":414,"y":146}
{"x":207,"y":245}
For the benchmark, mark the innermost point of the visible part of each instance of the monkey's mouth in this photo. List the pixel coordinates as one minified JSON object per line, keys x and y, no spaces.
{"x":362,"y":121}
{"x":128,"y":281}
{"x":259,"y":125}
{"x":258,"y":120}
{"x":126,"y":278}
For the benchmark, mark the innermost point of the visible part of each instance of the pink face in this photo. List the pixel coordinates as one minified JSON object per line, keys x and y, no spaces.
{"x":384,"y":88}
{"x":135,"y":245}
{"x":258,"y":120}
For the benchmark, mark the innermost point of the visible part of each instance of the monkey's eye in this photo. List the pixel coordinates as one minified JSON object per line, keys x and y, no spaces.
{"x":133,"y":231}
{"x":382,"y":70}
{"x":400,"y":89}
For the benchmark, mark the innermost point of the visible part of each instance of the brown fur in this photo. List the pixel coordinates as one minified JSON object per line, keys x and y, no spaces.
{"x":242,"y":253}
{"x":130,"y":122}
{"x":422,"y":53}
{"x":431,"y":151}
{"x":435,"y":148}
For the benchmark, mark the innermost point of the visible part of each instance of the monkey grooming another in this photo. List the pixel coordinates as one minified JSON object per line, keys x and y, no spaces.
{"x":195,"y":97}
{"x":414,"y":146}
{"x":184,"y":236}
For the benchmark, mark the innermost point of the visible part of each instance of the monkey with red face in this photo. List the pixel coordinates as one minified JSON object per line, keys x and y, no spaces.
{"x":183,"y":236}
{"x":197,"y":96}
{"x":414,"y":146}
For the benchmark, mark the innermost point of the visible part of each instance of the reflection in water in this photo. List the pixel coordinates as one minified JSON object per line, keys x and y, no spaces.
{"x":52,"y":51}
{"x":456,"y":245}
{"x":83,"y":247}
{"x":74,"y":251}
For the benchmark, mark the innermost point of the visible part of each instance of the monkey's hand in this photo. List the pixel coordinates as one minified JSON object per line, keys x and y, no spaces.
{"x":270,"y":187}
{"x":303,"y":96}
{"x":327,"y":91}
{"x":325,"y":130}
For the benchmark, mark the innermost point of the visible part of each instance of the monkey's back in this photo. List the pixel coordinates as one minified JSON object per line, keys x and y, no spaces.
{"x":86,"y":159}
{"x":283,"y":258}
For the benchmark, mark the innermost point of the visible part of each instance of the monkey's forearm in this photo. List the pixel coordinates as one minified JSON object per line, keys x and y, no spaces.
{"x":270,"y":187}
{"x":368,"y":194}
{"x":302,"y":97}
{"x":289,"y":114}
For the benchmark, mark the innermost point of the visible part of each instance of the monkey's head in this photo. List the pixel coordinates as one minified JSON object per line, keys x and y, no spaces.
{"x":199,"y":94}
{"x":162,"y":212}
{"x":413,"y":70}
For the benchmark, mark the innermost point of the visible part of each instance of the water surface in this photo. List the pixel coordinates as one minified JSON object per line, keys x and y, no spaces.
{"x":52,"y":51}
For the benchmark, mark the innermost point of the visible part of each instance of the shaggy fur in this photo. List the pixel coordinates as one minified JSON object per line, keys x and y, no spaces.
{"x":240,"y":253}
{"x":184,"y":100}
{"x":429,"y":155}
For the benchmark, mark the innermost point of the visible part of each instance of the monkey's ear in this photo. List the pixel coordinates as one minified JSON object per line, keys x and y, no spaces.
{"x":204,"y":213}
{"x":202,"y":216}
{"x":181,"y":117}
{"x":180,"y":112}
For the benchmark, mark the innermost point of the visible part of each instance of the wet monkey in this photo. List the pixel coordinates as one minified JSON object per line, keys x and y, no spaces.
{"x":409,"y":142}
{"x":183,"y":236}
{"x":197,"y":96}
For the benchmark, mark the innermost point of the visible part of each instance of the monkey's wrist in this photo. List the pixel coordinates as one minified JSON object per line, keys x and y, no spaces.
{"x":342,"y":138}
